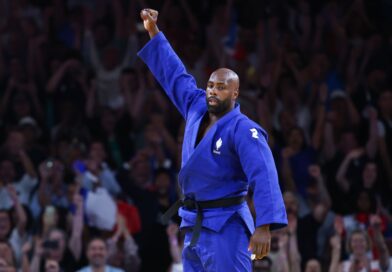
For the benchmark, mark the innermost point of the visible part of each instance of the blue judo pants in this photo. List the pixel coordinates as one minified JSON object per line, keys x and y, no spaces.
{"x":226,"y":250}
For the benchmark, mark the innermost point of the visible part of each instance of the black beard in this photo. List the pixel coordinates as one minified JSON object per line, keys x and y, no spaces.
{"x":220,"y":107}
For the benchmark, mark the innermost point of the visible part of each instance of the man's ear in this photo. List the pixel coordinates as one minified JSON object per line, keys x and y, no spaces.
{"x":235,"y":94}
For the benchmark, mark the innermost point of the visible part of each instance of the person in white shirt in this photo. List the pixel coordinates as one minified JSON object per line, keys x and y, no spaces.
{"x":97,"y":255}
{"x":359,"y":245}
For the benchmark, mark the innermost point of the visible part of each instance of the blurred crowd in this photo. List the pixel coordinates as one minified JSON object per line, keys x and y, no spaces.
{"x":90,"y":144}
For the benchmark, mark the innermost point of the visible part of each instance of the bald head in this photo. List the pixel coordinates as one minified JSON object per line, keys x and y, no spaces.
{"x":222,"y":91}
{"x":228,"y":77}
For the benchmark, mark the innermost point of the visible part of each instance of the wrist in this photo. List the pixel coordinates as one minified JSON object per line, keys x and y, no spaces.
{"x":153,"y":32}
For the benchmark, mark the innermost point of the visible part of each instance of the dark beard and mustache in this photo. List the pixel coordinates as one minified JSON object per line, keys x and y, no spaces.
{"x":220,"y":107}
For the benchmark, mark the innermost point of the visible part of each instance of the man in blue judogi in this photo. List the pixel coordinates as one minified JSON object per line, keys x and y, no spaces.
{"x":224,"y":153}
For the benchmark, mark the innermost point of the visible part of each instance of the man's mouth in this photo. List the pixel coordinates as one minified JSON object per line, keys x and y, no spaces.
{"x":213,"y":100}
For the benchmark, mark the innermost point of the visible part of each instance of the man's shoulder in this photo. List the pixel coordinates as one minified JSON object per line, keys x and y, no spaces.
{"x":243,"y":123}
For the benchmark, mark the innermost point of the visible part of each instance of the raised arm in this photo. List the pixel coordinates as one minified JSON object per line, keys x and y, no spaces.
{"x":341,"y":178}
{"x":75,"y":242}
{"x":167,"y":67}
{"x":379,"y":242}
{"x":20,"y":212}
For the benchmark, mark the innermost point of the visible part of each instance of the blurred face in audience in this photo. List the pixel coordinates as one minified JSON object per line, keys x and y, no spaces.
{"x":57,"y":172}
{"x":51,"y":266}
{"x":319,"y":211}
{"x":21,"y":105}
{"x":376,"y":79}
{"x":385,"y":103}
{"x":152,"y":135}
{"x":15,"y":142}
{"x":290,"y":202}
{"x":162,"y":183}
{"x":339,"y":107}
{"x":141,"y":171}
{"x":313,"y":265}
{"x":97,"y":253}
{"x":358,"y":244}
{"x":97,"y":152}
{"x":369,"y":175}
{"x":263,"y":265}
{"x":286,"y":121}
{"x":319,"y":66}
{"x":289,"y":95}
{"x":7,"y":172}
{"x":5,"y":225}
{"x":364,"y":202}
{"x":108,"y":120}
{"x":57,"y":254}
{"x":296,"y":139}
{"x":348,"y":142}
{"x":111,"y":58}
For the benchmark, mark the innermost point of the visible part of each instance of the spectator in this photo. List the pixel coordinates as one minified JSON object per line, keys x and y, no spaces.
{"x":97,"y":165}
{"x":122,"y":249}
{"x":97,"y":254}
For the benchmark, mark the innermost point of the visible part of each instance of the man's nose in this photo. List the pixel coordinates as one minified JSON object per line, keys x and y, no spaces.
{"x":212,"y":91}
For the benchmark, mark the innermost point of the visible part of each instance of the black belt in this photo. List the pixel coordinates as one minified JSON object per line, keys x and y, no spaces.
{"x":191,"y":204}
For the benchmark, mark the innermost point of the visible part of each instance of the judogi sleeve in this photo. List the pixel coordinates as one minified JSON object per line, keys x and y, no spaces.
{"x":170,"y":72}
{"x":259,"y":167}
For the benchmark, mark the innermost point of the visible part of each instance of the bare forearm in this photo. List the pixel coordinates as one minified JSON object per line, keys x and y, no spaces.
{"x":169,"y":142}
{"x":318,"y":132}
{"x":382,"y":248}
{"x":326,"y":198}
{"x":335,"y":259}
{"x":175,"y":250}
{"x":287,"y":176}
{"x":21,"y":218}
{"x":43,"y":197}
{"x":294,"y":256}
{"x":329,"y":149}
{"x":25,"y":263}
{"x":341,"y":175}
{"x":75,"y":243}
{"x":28,"y":164}
{"x":35,"y":263}
{"x":55,"y":79}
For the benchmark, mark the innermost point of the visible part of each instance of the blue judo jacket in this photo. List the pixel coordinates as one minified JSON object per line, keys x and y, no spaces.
{"x":232,"y":156}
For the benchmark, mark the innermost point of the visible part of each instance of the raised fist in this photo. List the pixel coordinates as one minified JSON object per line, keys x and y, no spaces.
{"x":150,"y":17}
